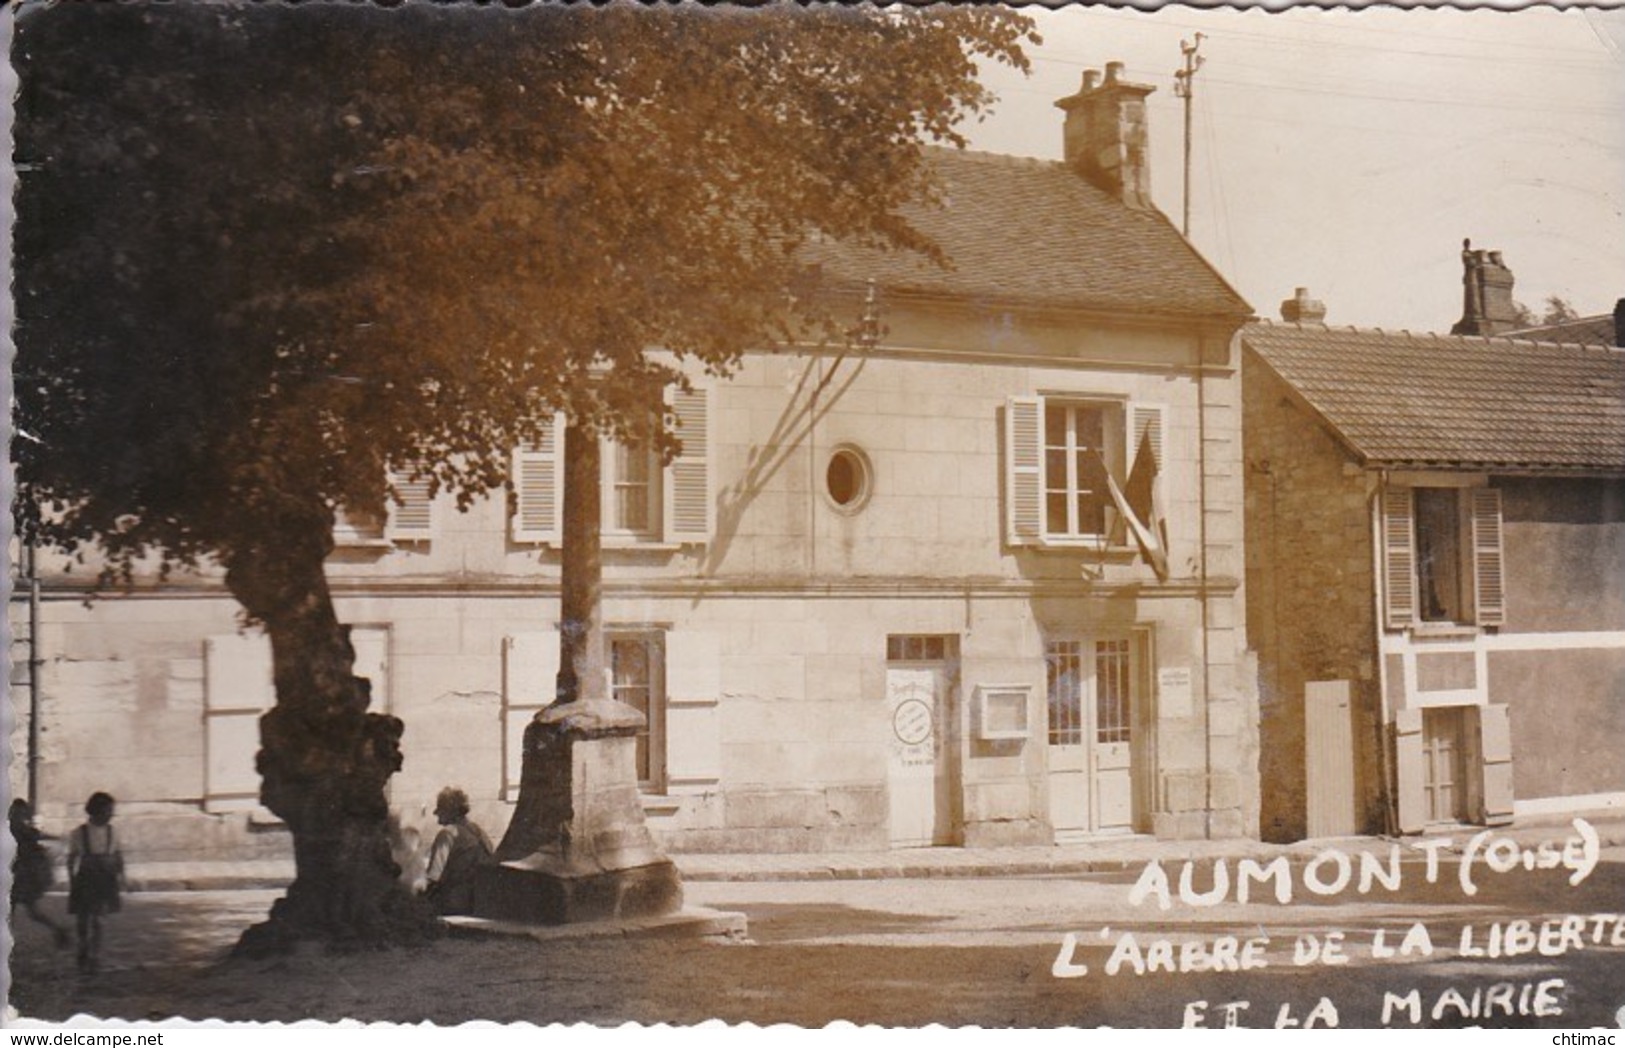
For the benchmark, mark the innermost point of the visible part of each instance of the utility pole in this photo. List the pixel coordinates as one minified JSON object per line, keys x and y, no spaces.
{"x":1184,"y":81}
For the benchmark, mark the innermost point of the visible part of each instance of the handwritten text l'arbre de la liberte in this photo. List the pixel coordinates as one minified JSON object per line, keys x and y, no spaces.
{"x":1334,"y":872}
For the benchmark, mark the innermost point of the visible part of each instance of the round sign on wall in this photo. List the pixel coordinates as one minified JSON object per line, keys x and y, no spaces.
{"x":911,"y":721}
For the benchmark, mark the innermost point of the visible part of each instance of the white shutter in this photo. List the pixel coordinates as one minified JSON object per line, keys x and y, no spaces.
{"x":538,"y":488}
{"x":237,"y":688}
{"x":411,"y":511}
{"x":1410,"y":771}
{"x":689,"y":513}
{"x":530,"y":671}
{"x":1495,"y":747}
{"x":1143,"y":417}
{"x":693,"y":693}
{"x":1398,"y":557}
{"x":1489,"y":590}
{"x":1024,"y":471}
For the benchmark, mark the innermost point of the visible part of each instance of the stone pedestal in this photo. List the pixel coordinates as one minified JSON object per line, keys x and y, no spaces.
{"x":578,"y":848}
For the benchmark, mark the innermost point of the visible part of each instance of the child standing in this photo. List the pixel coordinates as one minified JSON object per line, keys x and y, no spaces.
{"x":95,"y":875}
{"x":31,"y":871}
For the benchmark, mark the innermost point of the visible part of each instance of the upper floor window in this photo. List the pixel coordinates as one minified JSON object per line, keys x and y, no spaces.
{"x":631,"y":492}
{"x":644,"y":501}
{"x":408,"y":516}
{"x":1077,"y":502}
{"x":1442,"y":559}
{"x":1062,"y":454}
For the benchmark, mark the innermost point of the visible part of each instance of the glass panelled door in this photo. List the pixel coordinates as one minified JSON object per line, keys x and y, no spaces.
{"x":1091,"y":693}
{"x":1443,"y":778}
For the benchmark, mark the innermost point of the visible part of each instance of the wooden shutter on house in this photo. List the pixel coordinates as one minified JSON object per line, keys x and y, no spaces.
{"x":1494,"y":727}
{"x":1145,"y":418}
{"x":1410,"y":772}
{"x":689,"y":511}
{"x":1398,"y":557}
{"x":411,"y":516}
{"x":530,"y":671}
{"x":1023,"y":471}
{"x":1489,"y":590}
{"x":693,"y":727}
{"x":538,"y":487}
{"x":237,"y":688}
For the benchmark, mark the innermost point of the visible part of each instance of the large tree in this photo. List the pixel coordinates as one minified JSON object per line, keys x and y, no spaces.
{"x":267,"y":254}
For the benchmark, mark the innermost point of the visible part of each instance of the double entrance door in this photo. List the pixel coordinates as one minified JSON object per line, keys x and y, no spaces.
{"x":1098,"y":727}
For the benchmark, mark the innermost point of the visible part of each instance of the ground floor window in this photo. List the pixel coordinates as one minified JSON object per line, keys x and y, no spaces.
{"x":637,"y":678}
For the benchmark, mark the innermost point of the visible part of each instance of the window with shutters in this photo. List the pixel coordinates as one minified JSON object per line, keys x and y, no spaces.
{"x":1059,"y":451}
{"x":408,"y":516}
{"x":1442,"y":556}
{"x":645,"y":502}
{"x":675,"y":747}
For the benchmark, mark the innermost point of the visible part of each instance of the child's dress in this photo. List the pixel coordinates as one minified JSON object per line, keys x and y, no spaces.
{"x":31,"y":869}
{"x":97,"y":872}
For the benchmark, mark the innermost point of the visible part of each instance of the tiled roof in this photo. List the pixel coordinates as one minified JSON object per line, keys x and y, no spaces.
{"x":1449,"y":402}
{"x":1034,"y":232}
{"x":1585,"y":331}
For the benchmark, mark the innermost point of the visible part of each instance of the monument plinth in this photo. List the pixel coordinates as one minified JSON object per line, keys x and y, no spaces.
{"x":578,"y":848}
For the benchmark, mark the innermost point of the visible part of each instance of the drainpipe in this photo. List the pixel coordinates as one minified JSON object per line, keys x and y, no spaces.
{"x":1390,"y":806}
{"x":1201,"y":517}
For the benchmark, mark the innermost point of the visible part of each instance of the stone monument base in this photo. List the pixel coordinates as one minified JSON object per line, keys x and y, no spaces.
{"x":545,"y":889}
{"x":578,"y":848}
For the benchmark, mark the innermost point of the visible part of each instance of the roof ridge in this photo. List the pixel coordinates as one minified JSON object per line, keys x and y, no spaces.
{"x":1009,"y":159}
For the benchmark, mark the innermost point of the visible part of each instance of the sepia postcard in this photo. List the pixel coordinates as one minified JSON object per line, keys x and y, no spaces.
{"x":956,"y":515}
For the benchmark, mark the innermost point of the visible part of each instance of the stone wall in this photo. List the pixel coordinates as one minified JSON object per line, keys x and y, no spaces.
{"x":1310,"y":611}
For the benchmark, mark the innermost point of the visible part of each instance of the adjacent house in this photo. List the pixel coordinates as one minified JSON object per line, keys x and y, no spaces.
{"x":979,"y":582}
{"x":1435,"y":570}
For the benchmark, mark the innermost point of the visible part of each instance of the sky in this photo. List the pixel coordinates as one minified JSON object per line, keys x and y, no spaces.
{"x":1352,"y":152}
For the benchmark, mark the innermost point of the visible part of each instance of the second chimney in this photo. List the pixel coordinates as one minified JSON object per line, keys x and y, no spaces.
{"x":1106,"y":139}
{"x":1301,"y":309}
{"x":1487,"y":307}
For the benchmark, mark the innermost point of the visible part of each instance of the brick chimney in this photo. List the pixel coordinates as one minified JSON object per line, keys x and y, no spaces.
{"x":1105,"y":135}
{"x":1487,"y":307}
{"x":1301,"y":309}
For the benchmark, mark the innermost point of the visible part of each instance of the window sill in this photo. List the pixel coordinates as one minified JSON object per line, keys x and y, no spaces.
{"x":1066,"y":545}
{"x":616,"y":544}
{"x":358,"y":542}
{"x":1444,"y":631}
{"x":659,"y":803}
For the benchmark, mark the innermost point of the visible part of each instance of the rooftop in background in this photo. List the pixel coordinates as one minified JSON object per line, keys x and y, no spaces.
{"x":1036,"y":233}
{"x":1421,"y":401}
{"x":1585,"y":331}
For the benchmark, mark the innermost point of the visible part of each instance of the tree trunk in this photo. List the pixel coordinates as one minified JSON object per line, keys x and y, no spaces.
{"x":324,"y":760}
{"x":581,"y":622}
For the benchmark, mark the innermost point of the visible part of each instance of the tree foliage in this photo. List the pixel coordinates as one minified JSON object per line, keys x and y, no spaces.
{"x":266,"y":253}
{"x":259,"y":258}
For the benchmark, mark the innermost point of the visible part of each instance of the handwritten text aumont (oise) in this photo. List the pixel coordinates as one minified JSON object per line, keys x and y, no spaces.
{"x":1333,"y":872}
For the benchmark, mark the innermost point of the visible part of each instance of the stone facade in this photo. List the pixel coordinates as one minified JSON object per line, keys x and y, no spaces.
{"x":779,"y":636}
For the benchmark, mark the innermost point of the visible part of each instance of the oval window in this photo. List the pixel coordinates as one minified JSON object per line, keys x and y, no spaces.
{"x":847,"y":478}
